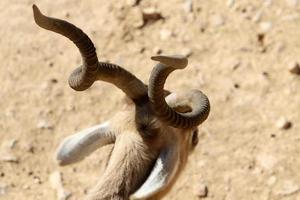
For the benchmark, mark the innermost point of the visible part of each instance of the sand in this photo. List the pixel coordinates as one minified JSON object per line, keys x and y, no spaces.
{"x":240,"y":54}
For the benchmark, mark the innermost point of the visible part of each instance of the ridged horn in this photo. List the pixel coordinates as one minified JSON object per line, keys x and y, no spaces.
{"x":199,"y":103}
{"x":91,"y":70}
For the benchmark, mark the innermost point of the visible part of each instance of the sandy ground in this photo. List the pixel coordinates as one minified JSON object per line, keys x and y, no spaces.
{"x":241,"y":52}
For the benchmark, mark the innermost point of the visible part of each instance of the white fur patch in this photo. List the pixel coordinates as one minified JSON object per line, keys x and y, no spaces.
{"x":161,"y":175}
{"x":76,"y":147}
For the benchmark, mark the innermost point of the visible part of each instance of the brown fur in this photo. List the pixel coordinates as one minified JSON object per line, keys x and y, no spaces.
{"x":140,"y":136}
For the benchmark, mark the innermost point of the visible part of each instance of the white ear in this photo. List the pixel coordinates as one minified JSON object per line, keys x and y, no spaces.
{"x":76,"y":147}
{"x":162,"y":173}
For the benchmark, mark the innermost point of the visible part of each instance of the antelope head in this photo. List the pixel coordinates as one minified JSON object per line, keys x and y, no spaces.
{"x":152,"y":137}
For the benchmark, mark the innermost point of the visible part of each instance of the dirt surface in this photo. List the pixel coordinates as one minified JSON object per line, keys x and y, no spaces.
{"x":240,"y":55}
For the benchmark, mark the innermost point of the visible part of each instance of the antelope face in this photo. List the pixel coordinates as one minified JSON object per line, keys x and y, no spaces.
{"x":152,"y":137}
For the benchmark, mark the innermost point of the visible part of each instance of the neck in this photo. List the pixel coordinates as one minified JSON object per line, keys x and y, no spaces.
{"x":127,"y":169}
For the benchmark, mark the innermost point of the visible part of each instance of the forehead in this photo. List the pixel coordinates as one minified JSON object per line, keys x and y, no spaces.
{"x":135,"y":118}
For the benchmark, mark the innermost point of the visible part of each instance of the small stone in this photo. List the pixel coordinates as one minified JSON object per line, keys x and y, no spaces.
{"x":268,"y":3}
{"x":187,"y":52}
{"x":3,"y":189}
{"x":56,"y":183}
{"x":127,"y":36}
{"x":201,"y":190}
{"x":265,"y":27}
{"x":46,"y":86}
{"x":266,"y":161}
{"x":43,"y":124}
{"x":265,"y":74}
{"x":292,"y":3}
{"x":29,"y":148}
{"x":51,"y":64}
{"x":283,"y":124}
{"x":67,"y":14}
{"x":141,"y":49}
{"x":37,"y":180}
{"x":230,"y":3}
{"x":235,"y":65}
{"x":217,"y":20}
{"x":236,"y":85}
{"x":12,"y":143}
{"x":271,"y":181}
{"x":133,"y":2}
{"x":9,"y":158}
{"x":294,"y":68}
{"x":261,"y":39}
{"x":53,"y":80}
{"x":288,"y":188}
{"x":188,"y":6}
{"x":157,"y":50}
{"x":26,"y":187}
{"x":136,"y":18}
{"x":151,"y":14}
{"x":165,"y":34}
{"x":257,"y":17}
{"x":280,"y":47}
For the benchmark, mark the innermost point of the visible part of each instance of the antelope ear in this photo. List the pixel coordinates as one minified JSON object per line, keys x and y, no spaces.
{"x":76,"y":147}
{"x":162,"y":174}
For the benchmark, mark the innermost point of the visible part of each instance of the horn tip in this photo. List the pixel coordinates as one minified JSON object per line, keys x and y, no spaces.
{"x":35,"y":8}
{"x":36,"y":13}
{"x":176,"y":61}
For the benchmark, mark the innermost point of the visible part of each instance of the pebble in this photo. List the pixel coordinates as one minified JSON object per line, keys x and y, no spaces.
{"x":11,"y":144}
{"x":280,"y":47}
{"x":133,"y":2}
{"x":137,"y":18}
{"x":51,"y":64}
{"x":268,"y":3}
{"x":165,"y":34}
{"x":201,"y":190}
{"x":26,"y":187}
{"x":3,"y":188}
{"x":37,"y":180}
{"x":288,"y":188}
{"x":283,"y":123}
{"x":230,"y":3}
{"x":294,"y":68}
{"x":265,"y":27}
{"x":46,"y":86}
{"x":257,"y":17}
{"x":188,"y":6}
{"x":266,"y":161}
{"x":217,"y":20}
{"x":56,"y":183}
{"x":9,"y":158}
{"x":67,"y":15}
{"x":44,"y":124}
{"x":187,"y":52}
{"x":151,"y":14}
{"x":261,"y":38}
{"x":271,"y":181}
{"x":157,"y":50}
{"x":235,"y":65}
{"x":29,"y":148}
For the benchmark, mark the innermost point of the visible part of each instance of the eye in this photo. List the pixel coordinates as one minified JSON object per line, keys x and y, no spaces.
{"x":195,"y":138}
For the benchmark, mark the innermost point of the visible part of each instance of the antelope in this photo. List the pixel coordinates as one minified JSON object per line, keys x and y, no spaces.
{"x":152,"y":137}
